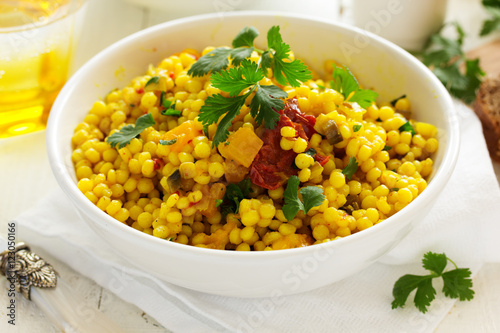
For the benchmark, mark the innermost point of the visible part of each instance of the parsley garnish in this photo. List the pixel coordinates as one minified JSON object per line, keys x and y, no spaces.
{"x":493,"y":23}
{"x":167,"y":142}
{"x":128,"y":132}
{"x":312,"y":196}
{"x":351,"y":168}
{"x":407,"y":127}
{"x":456,"y":283}
{"x":243,"y":79}
{"x":356,"y":128}
{"x":445,"y":57}
{"x":345,"y":83}
{"x":152,"y":80}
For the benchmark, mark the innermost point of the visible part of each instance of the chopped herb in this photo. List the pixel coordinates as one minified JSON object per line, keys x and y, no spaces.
{"x":128,"y":132}
{"x":345,"y":83}
{"x":152,"y":80}
{"x":321,"y":87}
{"x":312,"y":196}
{"x":171,"y":112}
{"x":234,"y":194}
{"x":351,"y":168}
{"x":310,"y":152}
{"x":387,"y":148}
{"x":394,"y":189}
{"x":169,"y":239}
{"x":218,"y":202}
{"x":356,"y":127}
{"x":167,"y":142}
{"x":407,"y":127}
{"x":395,"y":100}
{"x":456,"y":283}
{"x":131,"y":105}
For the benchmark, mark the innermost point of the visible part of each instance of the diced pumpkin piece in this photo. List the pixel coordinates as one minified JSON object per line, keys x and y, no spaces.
{"x":183,"y":133}
{"x":242,"y":146}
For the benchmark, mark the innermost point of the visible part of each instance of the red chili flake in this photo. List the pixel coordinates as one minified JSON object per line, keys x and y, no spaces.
{"x":158,"y":163}
{"x":171,"y":75}
{"x":139,"y":91}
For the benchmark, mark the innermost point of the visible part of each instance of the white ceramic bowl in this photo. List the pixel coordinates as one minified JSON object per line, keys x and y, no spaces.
{"x":378,"y":64}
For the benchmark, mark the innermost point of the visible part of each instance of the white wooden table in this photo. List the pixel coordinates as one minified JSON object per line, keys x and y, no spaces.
{"x":25,"y":176}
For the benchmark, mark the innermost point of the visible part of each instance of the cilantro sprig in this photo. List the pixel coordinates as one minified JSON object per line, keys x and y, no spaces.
{"x":128,"y":132}
{"x":445,"y":57}
{"x":242,"y":80}
{"x":345,"y":82}
{"x":493,"y":22}
{"x":312,"y":196}
{"x":456,"y":283}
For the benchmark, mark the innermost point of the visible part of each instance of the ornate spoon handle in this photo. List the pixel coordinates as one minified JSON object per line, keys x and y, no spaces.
{"x":37,"y":280}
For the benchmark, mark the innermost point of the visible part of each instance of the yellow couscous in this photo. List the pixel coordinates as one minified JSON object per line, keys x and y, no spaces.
{"x":171,"y":182}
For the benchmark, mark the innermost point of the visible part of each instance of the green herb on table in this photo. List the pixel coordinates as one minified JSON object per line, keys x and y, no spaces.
{"x":445,"y":57}
{"x":242,"y":80}
{"x":456,"y":283}
{"x":493,"y":23}
{"x":128,"y":132}
{"x":345,"y":82}
{"x":351,"y":168}
{"x":312,"y":196}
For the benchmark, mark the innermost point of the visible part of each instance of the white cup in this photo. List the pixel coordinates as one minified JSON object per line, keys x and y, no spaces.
{"x":407,"y":23}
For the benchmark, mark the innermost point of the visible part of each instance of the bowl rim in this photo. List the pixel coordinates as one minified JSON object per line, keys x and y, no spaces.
{"x":69,"y":186}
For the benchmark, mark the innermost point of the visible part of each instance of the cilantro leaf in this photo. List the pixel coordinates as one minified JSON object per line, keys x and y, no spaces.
{"x":356,"y":128}
{"x":403,"y":287}
{"x":345,"y":82}
{"x":435,"y":262}
{"x":128,"y":132}
{"x":266,"y":103}
{"x":493,"y":23}
{"x":218,"y":202}
{"x":171,"y":112}
{"x":245,"y":37}
{"x":456,"y":283}
{"x":214,"y":61}
{"x":425,"y":294}
{"x":217,"y":105}
{"x":364,"y":97}
{"x":240,"y":54}
{"x":445,"y":57}
{"x":351,"y":168}
{"x":312,"y":196}
{"x":285,"y":71}
{"x":236,"y":79}
{"x":387,"y":148}
{"x":407,"y":127}
{"x":167,"y":142}
{"x":292,"y":203}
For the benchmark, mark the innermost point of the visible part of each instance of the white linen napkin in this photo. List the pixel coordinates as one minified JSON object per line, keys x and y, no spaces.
{"x":464,"y":224}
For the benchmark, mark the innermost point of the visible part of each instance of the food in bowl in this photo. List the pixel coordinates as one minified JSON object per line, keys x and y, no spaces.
{"x":246,"y":149}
